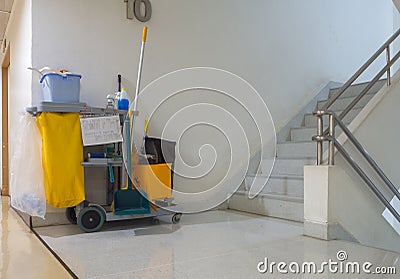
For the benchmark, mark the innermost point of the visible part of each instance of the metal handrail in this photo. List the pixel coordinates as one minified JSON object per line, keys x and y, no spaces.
{"x":320,"y":138}
{"x":386,"y":69}
{"x":329,"y":134}
{"x":385,"y":46}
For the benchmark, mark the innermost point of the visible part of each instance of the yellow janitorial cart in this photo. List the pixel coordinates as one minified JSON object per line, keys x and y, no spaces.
{"x":145,"y":179}
{"x":102,"y":179}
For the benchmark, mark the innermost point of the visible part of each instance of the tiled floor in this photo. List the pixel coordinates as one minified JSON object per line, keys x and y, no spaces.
{"x":22,"y":254}
{"x":216,"y":244}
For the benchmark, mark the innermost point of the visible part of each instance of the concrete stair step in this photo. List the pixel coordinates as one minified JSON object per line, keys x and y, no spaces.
{"x":273,"y":205}
{"x":342,"y":103}
{"x":289,"y":185}
{"x":306,"y":133}
{"x":297,"y":149}
{"x":325,"y":125}
{"x":311,"y":121}
{"x":356,"y":89}
{"x":289,"y":166}
{"x":303,"y":133}
{"x":282,"y":195}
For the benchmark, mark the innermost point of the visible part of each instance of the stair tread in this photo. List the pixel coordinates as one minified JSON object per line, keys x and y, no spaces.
{"x":360,"y":84}
{"x":296,"y":158}
{"x":379,"y":83}
{"x":370,"y":92}
{"x":277,"y":176}
{"x":307,"y":127}
{"x":337,"y":112}
{"x":276,"y":196}
{"x":343,"y":98}
{"x":345,"y":101}
{"x":295,"y":142}
{"x":314,"y":125}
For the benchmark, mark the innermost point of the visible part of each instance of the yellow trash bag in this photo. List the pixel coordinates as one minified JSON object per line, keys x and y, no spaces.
{"x":62,"y":154}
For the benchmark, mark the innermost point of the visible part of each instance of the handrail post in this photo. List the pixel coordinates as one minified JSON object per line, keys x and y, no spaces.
{"x":389,"y":82}
{"x":331,"y":155}
{"x":320,"y":131}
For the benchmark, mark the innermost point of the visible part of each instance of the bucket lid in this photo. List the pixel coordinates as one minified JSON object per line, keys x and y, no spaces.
{"x":67,"y":74}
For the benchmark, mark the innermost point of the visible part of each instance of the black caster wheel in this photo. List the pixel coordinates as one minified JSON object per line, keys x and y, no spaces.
{"x":91,"y":219}
{"x":155,"y":221}
{"x":176,"y":218}
{"x":71,"y":215}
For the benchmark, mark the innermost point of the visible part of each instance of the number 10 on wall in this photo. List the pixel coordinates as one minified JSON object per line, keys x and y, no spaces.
{"x":139,"y":9}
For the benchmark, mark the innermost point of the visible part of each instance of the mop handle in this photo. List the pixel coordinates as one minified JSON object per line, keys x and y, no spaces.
{"x":128,"y":150}
{"x":146,"y":126}
{"x":144,"y":34}
{"x":127,"y":119}
{"x":144,"y":37}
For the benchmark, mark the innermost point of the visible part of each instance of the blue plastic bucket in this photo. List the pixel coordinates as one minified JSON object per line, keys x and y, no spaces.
{"x":60,"y":88}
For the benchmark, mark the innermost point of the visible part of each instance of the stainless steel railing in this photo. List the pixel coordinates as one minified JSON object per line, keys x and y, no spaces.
{"x":330,"y":137}
{"x":342,"y":90}
{"x":334,"y":120}
{"x":389,"y":62}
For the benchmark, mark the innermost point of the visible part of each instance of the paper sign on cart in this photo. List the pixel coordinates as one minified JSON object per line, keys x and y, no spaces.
{"x":101,"y":130}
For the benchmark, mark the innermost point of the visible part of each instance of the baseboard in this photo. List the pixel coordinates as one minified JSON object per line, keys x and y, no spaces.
{"x":327,"y":231}
{"x":50,"y":219}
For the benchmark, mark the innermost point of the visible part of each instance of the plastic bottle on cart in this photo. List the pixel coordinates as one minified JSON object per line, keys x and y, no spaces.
{"x":123,"y":101}
{"x":116,"y":99}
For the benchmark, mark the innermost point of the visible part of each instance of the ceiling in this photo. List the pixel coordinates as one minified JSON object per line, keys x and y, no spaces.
{"x":5,"y":9}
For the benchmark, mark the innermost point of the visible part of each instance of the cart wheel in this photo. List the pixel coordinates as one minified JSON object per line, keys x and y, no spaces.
{"x":71,"y":215}
{"x":155,"y":221}
{"x":176,"y":218}
{"x":91,"y":219}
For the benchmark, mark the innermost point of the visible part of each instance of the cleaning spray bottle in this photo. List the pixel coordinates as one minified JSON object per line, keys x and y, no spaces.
{"x":123,"y":101}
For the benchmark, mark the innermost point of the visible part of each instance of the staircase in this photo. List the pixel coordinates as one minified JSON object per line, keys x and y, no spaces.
{"x":282,"y":197}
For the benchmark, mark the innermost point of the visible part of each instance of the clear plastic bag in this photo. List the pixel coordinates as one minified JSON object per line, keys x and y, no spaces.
{"x":26,"y":181}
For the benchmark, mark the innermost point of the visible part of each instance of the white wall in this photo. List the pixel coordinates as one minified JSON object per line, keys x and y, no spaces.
{"x":19,"y":37}
{"x":288,"y":50}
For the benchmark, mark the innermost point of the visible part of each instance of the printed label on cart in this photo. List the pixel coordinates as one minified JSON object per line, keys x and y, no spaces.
{"x":101,"y":130}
